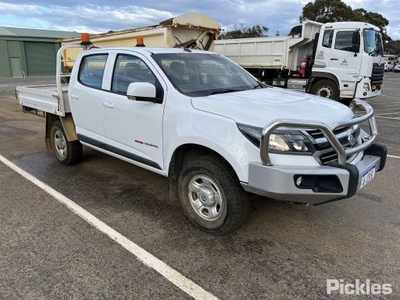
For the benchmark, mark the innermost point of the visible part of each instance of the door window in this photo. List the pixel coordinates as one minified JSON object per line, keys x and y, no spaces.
{"x":129,"y":69}
{"x":327,"y":39}
{"x":92,"y":70}
{"x":344,"y":41}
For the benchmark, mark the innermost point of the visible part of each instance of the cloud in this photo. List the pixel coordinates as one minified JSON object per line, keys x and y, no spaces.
{"x":105,"y":15}
{"x":98,"y":18}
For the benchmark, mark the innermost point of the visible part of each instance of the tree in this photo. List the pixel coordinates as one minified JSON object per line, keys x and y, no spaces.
{"x":392,"y":47}
{"x":245,"y":32}
{"x":376,"y":19}
{"x":335,"y":10}
{"x":325,"y":11}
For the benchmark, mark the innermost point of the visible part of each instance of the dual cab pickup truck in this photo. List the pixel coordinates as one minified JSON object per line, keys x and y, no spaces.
{"x":216,"y":132}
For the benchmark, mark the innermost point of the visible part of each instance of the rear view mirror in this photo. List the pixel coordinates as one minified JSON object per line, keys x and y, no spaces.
{"x":142,"y":91}
{"x":356,"y":41}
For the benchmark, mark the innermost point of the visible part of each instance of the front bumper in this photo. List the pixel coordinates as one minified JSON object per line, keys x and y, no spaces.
{"x":319,"y":184}
{"x":373,"y":90}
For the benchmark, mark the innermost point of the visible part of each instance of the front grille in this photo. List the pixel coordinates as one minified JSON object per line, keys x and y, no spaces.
{"x":347,"y":137}
{"x":377,"y":74}
{"x":317,"y":134}
{"x":331,"y":156}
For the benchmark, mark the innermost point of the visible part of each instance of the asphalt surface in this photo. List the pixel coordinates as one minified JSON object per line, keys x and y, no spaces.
{"x":284,"y":251}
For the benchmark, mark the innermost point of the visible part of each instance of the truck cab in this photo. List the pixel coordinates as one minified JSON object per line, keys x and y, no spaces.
{"x":348,"y":55}
{"x":340,"y":61}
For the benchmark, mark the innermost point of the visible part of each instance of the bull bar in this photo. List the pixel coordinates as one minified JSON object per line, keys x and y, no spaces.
{"x":326,"y":130}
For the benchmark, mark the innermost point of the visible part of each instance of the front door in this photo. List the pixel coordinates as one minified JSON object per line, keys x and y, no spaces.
{"x":345,"y":59}
{"x":133,"y":129}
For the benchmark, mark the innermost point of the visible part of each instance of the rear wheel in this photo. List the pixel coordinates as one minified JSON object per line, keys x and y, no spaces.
{"x":326,"y":88}
{"x":211,"y":195}
{"x":67,"y":153}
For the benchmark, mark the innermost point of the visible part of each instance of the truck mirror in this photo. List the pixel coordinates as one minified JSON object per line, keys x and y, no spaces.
{"x":142,"y":91}
{"x":356,"y":41}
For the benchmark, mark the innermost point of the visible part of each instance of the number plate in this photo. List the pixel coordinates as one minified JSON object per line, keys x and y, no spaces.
{"x":367,"y":176}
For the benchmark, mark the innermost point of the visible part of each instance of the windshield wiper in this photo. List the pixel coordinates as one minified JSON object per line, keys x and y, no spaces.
{"x":260,"y":86}
{"x":224,"y":91}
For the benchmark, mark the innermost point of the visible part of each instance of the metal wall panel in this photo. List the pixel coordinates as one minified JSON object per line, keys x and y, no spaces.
{"x":40,"y":58}
{"x":4,"y":62}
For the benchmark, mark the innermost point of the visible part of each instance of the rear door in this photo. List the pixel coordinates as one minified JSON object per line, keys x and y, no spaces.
{"x":86,"y":97}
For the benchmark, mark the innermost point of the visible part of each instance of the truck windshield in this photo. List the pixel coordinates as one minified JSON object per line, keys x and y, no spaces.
{"x":373,"y":42}
{"x":203,"y":74}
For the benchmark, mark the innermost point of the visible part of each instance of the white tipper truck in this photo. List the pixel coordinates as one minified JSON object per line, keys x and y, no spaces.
{"x":341,"y":61}
{"x":189,"y":30}
{"x":215,"y":131}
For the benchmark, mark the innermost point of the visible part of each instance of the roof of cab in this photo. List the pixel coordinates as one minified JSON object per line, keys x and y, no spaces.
{"x":149,"y":50}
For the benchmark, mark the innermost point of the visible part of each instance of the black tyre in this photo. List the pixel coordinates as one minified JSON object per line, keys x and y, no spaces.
{"x":211,"y":195}
{"x":325,"y":88}
{"x":67,"y":153}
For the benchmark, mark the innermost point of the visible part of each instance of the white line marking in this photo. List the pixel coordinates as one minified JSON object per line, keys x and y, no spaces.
{"x":389,"y":118}
{"x":394,"y":156}
{"x":145,"y":257}
{"x":386,"y":113}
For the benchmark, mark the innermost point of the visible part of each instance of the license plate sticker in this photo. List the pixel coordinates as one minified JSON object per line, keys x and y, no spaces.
{"x":367,"y":176}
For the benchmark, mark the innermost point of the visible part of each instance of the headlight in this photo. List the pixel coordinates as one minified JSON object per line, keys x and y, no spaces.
{"x":288,"y":141}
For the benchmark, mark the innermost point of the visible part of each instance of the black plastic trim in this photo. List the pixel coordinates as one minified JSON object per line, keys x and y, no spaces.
{"x":118,"y":151}
{"x":380,"y":150}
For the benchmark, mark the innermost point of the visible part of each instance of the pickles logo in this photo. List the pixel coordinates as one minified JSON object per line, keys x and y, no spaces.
{"x":339,"y":286}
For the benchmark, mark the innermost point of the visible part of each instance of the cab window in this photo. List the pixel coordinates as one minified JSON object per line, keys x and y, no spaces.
{"x":344,"y":41}
{"x":92,"y":70}
{"x":327,"y":39}
{"x":129,"y":69}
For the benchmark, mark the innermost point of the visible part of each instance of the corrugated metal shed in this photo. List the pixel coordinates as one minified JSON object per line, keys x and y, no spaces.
{"x":29,"y":52}
{"x":36,"y":33}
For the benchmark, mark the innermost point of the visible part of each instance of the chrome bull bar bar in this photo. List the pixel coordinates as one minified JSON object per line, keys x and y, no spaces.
{"x":326,"y":130}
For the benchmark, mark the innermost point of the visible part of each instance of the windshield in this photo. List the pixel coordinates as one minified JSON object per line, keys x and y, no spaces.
{"x":373,"y":42}
{"x":203,"y":74}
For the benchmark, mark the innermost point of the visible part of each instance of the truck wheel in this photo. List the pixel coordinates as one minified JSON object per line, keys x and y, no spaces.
{"x":67,"y":153}
{"x":211,"y":196}
{"x":325,"y":88}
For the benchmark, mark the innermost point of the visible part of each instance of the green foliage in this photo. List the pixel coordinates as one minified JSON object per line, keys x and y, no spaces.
{"x":245,"y":32}
{"x":335,"y":10}
{"x":376,"y":19}
{"x":392,"y":47}
{"x":325,"y":11}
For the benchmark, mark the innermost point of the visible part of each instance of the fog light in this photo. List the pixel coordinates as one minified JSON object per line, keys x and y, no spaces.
{"x":366,"y":87}
{"x":299,"y":180}
{"x":318,"y":183}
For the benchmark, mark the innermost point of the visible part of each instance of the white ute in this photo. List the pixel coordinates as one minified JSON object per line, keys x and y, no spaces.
{"x":216,"y":132}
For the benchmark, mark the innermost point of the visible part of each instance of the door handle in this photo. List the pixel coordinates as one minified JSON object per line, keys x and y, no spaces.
{"x":108,"y":104}
{"x":334,"y":58}
{"x":74,"y":96}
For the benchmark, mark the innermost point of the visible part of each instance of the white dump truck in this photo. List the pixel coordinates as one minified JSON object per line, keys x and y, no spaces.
{"x":211,"y":128}
{"x":340,"y":60}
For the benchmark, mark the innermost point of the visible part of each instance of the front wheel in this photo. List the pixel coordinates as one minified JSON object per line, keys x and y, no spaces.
{"x":211,"y":195}
{"x":67,"y":153}
{"x":326,"y":88}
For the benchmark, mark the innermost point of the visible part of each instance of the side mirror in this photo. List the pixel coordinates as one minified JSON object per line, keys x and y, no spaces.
{"x":356,"y":41}
{"x":142,"y":91}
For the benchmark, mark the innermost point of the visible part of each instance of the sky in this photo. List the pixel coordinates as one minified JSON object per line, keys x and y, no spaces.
{"x":103,"y":15}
